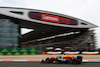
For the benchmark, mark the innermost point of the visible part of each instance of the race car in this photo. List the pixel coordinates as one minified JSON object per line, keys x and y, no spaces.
{"x":63,"y":59}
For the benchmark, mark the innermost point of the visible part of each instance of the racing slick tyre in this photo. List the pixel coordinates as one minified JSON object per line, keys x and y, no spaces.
{"x":74,"y":61}
{"x":79,"y":59}
{"x":47,"y":60}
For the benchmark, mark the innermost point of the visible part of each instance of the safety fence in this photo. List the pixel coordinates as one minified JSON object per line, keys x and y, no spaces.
{"x":19,"y":51}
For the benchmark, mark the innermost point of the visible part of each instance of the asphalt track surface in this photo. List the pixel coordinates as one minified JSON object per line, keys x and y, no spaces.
{"x":37,"y":64}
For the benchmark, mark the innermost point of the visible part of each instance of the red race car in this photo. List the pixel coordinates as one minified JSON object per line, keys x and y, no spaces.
{"x":63,"y":59}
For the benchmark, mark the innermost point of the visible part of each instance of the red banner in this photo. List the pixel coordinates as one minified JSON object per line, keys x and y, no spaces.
{"x":52,"y":18}
{"x":49,"y":18}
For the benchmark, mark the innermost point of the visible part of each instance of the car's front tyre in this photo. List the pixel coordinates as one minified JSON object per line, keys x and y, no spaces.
{"x":47,"y":60}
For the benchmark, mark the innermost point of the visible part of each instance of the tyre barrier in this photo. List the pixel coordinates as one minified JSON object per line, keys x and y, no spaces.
{"x":73,"y":52}
{"x":54,"y":53}
{"x":19,"y":51}
{"x":62,"y":52}
{"x":90,"y":52}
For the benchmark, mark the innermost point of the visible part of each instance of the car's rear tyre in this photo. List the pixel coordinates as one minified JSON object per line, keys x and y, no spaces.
{"x":79,"y":61}
{"x":79,"y":58}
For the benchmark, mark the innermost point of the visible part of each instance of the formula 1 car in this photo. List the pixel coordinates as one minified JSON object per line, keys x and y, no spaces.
{"x":63,"y":59}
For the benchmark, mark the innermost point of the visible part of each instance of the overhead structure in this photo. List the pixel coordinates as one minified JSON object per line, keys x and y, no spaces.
{"x":45,"y":17}
{"x":44,"y":23}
